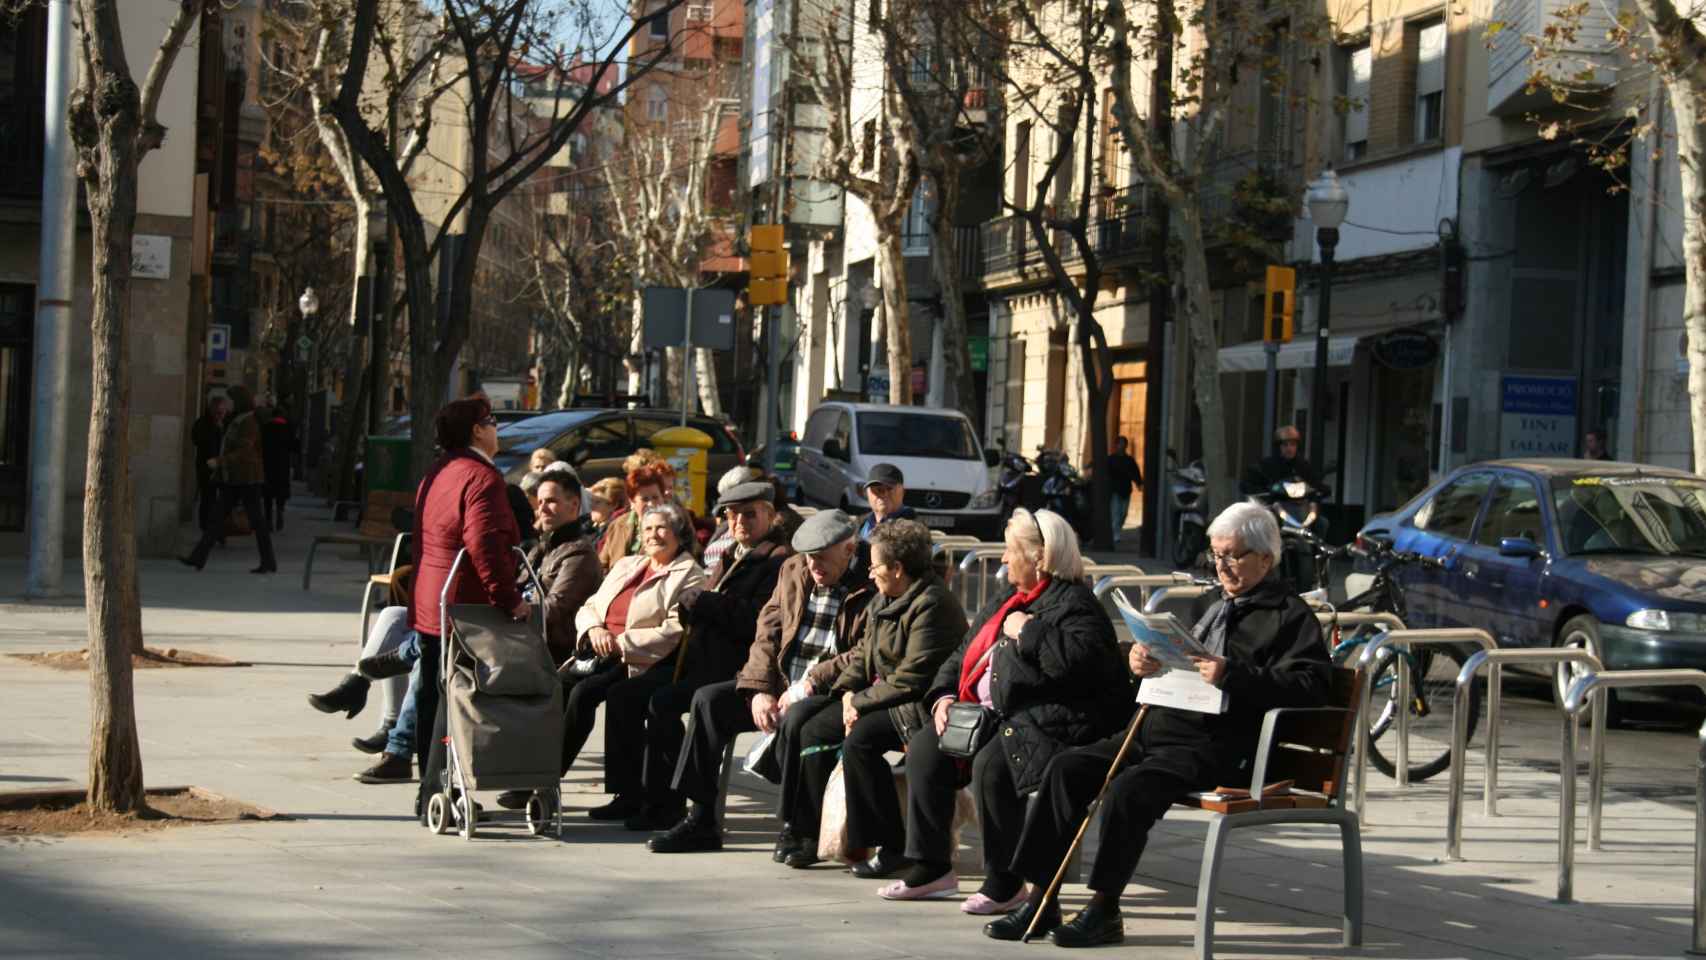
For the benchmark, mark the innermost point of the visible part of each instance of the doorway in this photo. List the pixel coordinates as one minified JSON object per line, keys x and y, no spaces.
{"x":17,"y":330}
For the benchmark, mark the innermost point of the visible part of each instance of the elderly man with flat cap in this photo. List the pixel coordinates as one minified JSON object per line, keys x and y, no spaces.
{"x":816,"y":614}
{"x":885,"y":491}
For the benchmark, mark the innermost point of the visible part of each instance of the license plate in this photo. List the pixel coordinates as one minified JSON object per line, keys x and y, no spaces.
{"x":937,"y":521}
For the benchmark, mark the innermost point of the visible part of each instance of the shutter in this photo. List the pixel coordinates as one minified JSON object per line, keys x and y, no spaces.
{"x":1360,"y":65}
{"x":1430,"y":59}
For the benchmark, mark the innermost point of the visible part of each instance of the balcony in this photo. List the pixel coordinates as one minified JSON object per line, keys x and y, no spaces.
{"x":969,"y":241}
{"x":1123,"y":230}
{"x":1589,"y":66}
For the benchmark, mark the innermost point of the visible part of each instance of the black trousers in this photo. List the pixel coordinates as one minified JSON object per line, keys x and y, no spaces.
{"x":274,"y":507}
{"x":873,"y":807}
{"x":207,"y":498}
{"x":1138,"y":796}
{"x":580,"y":708}
{"x":932,"y":779}
{"x":429,"y":713}
{"x":230,"y":495}
{"x":720,"y":712}
{"x":633,"y":732}
{"x":804,"y":778}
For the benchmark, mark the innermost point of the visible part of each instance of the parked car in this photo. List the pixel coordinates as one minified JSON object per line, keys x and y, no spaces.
{"x":949,"y":477}
{"x":1606,"y":556}
{"x":597,"y":441}
{"x":787,"y":460}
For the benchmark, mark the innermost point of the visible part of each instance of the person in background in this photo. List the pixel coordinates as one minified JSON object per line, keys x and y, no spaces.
{"x":239,"y":466}
{"x":1286,"y":463}
{"x":530,"y":489}
{"x":722,"y":539}
{"x":609,"y":498}
{"x":885,"y":491}
{"x":205,"y":436}
{"x":648,"y":485}
{"x":541,"y":458}
{"x":1124,"y":476}
{"x":1593,"y":445}
{"x":278,"y":447}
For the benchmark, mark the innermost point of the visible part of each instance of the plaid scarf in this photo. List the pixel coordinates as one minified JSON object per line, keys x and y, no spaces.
{"x":817,"y":632}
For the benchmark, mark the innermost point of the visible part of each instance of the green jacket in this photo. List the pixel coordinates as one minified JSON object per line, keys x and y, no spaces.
{"x":906,"y":639}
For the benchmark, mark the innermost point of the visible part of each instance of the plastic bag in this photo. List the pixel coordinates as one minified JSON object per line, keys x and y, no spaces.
{"x":832,"y":828}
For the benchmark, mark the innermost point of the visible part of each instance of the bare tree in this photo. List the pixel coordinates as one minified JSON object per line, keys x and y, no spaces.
{"x":114,"y":124}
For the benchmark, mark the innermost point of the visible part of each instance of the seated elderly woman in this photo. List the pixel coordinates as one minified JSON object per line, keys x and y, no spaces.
{"x":633,"y":625}
{"x":1043,"y":660}
{"x":1265,"y":651}
{"x":873,"y":706}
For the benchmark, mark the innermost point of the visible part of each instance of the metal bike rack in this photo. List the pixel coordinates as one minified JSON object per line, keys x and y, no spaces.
{"x":1359,"y":618}
{"x":1098,"y":570}
{"x":1494,"y":661}
{"x":1143,"y":581}
{"x":1409,"y":639}
{"x":978,"y":557}
{"x":1181,"y":591}
{"x":1579,"y":693}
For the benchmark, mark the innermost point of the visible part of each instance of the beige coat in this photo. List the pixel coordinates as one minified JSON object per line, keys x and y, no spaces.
{"x":654,"y":627}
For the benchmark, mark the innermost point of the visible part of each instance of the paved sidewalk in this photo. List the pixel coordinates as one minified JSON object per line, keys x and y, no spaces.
{"x":351,"y":875}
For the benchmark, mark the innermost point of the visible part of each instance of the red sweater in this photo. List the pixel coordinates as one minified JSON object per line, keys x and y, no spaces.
{"x":462,"y":504}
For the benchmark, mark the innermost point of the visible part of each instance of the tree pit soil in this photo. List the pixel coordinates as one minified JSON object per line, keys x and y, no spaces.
{"x":64,"y":812}
{"x":151,"y":658}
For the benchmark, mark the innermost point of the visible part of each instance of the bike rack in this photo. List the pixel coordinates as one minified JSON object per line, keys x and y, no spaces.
{"x":1112,"y":569}
{"x":1359,"y":618}
{"x":1494,"y":661}
{"x":1579,"y":692}
{"x":1409,"y":639}
{"x":980,"y":557}
{"x":1182,"y":591}
{"x":1143,"y":581}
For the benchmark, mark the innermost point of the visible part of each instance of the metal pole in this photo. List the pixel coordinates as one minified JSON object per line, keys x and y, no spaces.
{"x":1401,"y":703}
{"x":1566,"y":807}
{"x":686,"y":352}
{"x":49,"y":422}
{"x":1164,"y":515}
{"x":1698,"y":945}
{"x":1328,"y":237}
{"x":1269,"y":388}
{"x":1495,"y":694}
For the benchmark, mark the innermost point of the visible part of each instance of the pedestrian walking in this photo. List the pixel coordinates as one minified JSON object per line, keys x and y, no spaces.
{"x":278,"y":444}
{"x":205,"y":435}
{"x":241,"y":478}
{"x":1124,"y":475}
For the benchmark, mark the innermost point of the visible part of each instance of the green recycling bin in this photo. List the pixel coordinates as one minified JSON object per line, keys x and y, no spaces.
{"x":386,"y":464}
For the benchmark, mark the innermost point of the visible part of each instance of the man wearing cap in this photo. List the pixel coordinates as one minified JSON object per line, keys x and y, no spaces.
{"x":815,"y":615}
{"x":1286,"y":463}
{"x":885,"y":491}
{"x":721,"y":617}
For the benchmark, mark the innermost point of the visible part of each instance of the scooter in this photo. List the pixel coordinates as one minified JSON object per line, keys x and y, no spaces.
{"x":1065,"y":491}
{"x":1188,"y":489}
{"x":1296,"y":504}
{"x":1015,"y":470}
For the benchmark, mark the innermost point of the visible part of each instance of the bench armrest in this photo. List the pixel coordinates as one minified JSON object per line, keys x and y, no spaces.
{"x":1271,"y":724}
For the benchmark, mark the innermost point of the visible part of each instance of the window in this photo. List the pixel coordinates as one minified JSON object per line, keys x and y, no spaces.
{"x":1513,"y":512}
{"x":843,"y":437}
{"x":873,"y":15}
{"x":1022,"y":167}
{"x":657,"y":105}
{"x":1430,"y":79}
{"x":916,"y":435}
{"x":660,"y":25}
{"x":1358,"y":67}
{"x":818,"y":428}
{"x":1451,"y":512}
{"x":915,"y":235}
{"x":600,"y":440}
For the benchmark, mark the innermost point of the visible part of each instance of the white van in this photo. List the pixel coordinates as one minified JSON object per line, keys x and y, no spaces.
{"x":949,"y":479}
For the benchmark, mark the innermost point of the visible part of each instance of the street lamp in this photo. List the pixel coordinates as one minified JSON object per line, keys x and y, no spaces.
{"x":1328,"y":203}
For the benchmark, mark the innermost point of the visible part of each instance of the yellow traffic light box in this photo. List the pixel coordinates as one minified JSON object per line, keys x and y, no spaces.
{"x":1279,"y":305}
{"x":767,"y":267}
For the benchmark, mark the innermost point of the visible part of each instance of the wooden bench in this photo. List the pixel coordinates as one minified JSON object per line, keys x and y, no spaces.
{"x":374,"y":532}
{"x":1309,"y":747}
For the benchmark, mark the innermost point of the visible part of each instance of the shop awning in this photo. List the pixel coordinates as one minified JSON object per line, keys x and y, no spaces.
{"x":1299,"y":354}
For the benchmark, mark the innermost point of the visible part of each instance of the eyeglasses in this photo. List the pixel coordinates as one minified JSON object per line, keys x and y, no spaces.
{"x":1228,"y":559}
{"x":489,"y":422}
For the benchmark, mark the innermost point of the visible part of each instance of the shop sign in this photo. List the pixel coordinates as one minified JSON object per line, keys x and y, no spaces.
{"x":1537,"y":417}
{"x":978,"y":347}
{"x":1405,"y":349}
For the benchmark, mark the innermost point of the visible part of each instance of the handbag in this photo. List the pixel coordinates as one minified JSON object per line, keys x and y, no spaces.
{"x":970,"y":726}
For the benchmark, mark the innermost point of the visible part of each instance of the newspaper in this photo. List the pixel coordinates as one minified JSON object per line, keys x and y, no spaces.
{"x":1166,"y":637}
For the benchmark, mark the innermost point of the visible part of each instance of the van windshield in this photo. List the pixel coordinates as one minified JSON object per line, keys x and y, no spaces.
{"x":916,"y":435}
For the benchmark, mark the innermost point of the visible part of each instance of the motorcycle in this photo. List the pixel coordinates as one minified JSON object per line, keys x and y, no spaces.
{"x":1011,"y":480}
{"x":1065,"y":491}
{"x":1188,"y":490}
{"x":1296,"y":505}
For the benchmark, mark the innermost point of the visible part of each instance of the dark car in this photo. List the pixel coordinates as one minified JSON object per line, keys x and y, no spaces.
{"x":787,"y":457}
{"x":1602,"y":555}
{"x":597,"y":441}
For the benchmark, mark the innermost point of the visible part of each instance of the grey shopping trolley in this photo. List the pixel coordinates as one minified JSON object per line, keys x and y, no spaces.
{"x":503,"y":713}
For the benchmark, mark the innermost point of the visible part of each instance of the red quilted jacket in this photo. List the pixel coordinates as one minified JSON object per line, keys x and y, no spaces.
{"x":462,"y":504}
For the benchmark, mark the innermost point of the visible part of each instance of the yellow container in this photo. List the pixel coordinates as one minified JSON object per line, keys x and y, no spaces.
{"x":688,"y":451}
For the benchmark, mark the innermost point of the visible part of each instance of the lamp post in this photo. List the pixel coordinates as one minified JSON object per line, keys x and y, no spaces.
{"x":307,"y":360}
{"x":1328,"y":203}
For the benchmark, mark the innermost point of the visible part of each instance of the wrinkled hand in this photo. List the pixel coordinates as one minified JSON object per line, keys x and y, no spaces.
{"x":1142,"y":664}
{"x":1014,"y":623}
{"x":764,"y":712}
{"x":1212,"y":669}
{"x":849,"y":714}
{"x":794,"y":694}
{"x":940,"y":713}
{"x":603,"y":643}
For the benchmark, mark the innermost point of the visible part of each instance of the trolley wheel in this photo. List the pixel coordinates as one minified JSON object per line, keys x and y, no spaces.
{"x":465,"y":813}
{"x":438,"y":814}
{"x":538,"y":815}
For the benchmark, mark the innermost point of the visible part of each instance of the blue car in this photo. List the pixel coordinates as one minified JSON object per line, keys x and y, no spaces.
{"x":1595,"y":554}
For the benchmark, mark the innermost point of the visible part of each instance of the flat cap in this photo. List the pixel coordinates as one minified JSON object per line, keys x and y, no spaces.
{"x":822,"y":530}
{"x":746,"y":493}
{"x":886,"y":473}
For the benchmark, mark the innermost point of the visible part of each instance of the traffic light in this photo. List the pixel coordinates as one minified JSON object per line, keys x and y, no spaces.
{"x":1279,"y":304}
{"x":768,"y":277}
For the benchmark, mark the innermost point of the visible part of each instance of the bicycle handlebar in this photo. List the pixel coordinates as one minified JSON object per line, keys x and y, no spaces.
{"x":1381,"y":554}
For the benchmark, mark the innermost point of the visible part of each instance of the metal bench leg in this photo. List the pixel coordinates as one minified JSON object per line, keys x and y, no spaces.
{"x":723,"y":783}
{"x":308,"y":567}
{"x":1350,"y":834}
{"x":1218,"y":828}
{"x":366,"y":614}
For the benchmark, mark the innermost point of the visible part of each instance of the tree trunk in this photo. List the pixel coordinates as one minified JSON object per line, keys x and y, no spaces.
{"x":710,"y":401}
{"x":636,"y":359}
{"x":891,"y":267}
{"x":1691,"y":153}
{"x":353,"y":419}
{"x":961,"y":392}
{"x":1198,"y":308}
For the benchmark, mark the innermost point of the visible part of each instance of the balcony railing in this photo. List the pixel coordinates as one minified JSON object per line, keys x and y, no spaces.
{"x":1123,"y":227}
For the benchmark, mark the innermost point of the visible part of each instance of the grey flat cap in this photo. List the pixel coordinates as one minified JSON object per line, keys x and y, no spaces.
{"x":746,"y":493}
{"x":822,"y":530}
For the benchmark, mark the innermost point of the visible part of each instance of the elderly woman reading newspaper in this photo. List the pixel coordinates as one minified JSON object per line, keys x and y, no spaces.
{"x":1263,"y":650}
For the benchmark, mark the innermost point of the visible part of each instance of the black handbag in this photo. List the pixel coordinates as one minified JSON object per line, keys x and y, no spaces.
{"x":970,"y":726}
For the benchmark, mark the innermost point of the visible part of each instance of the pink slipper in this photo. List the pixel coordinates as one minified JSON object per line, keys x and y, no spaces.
{"x":983,"y":906}
{"x":941,"y":888}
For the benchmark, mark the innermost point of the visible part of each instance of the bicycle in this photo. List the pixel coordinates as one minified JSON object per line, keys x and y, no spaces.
{"x":1432,"y":670}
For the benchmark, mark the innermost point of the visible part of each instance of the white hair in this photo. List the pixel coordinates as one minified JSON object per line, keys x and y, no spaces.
{"x":735,"y":476}
{"x":1049,"y":540}
{"x":1252,"y":526}
{"x":530,"y":483}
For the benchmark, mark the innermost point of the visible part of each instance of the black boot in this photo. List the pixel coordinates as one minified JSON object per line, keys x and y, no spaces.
{"x":1096,"y":924}
{"x":350,"y":695}
{"x":1014,"y":925}
{"x":382,"y":666}
{"x":787,"y":841}
{"x":374,"y":743}
{"x":697,"y":831}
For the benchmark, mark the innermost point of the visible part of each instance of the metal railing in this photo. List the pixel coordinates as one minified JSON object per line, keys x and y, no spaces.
{"x":1574,"y":701}
{"x":1143,"y":581}
{"x":1369,"y":666}
{"x":1494,"y":661}
{"x":1183,"y":591}
{"x":977,"y":557}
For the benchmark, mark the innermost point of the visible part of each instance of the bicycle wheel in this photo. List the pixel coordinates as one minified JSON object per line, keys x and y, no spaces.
{"x":1432,"y":696}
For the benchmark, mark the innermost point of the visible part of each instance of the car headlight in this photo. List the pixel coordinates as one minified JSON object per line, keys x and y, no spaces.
{"x":1648,"y":620}
{"x":985,"y":500}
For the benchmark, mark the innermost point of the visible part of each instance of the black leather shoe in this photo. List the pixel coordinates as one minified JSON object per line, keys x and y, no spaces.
{"x":885,"y":864}
{"x":688,"y":836}
{"x":1014,"y":925}
{"x":787,"y":841}
{"x":391,"y":768}
{"x":651,"y":819}
{"x":1091,"y":927}
{"x":350,"y":695}
{"x":373,"y":744}
{"x":186,"y":561}
{"x":385,"y":665}
{"x":803,"y":855}
{"x":620,"y":808}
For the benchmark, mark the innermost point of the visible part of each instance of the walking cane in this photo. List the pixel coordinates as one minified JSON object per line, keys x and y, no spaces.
{"x":1059,"y":875}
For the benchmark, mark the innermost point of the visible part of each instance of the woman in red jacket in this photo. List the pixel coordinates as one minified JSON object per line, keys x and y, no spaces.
{"x":461,"y":504}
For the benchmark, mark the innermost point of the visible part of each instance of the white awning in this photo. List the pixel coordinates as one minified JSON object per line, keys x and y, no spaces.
{"x":1299,"y":354}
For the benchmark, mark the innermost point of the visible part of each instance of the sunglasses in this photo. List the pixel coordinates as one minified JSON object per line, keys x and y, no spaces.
{"x":489,"y":422}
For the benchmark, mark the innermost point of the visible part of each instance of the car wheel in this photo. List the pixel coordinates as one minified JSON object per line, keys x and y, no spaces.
{"x":1582,"y":633}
